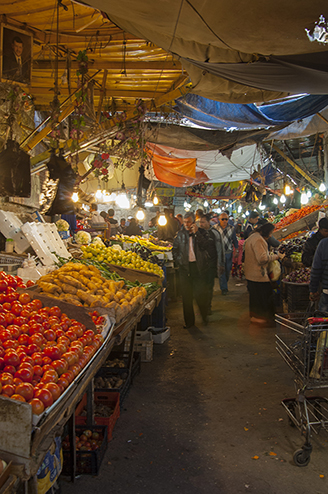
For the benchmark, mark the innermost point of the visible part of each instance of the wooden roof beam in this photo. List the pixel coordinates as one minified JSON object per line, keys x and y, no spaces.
{"x":109,"y":65}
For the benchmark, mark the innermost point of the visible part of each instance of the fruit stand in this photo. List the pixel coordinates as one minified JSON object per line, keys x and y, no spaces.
{"x":304,"y":219}
{"x":26,"y":436}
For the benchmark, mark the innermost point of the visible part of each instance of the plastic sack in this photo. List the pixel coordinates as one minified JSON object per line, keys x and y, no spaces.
{"x":274,"y":270}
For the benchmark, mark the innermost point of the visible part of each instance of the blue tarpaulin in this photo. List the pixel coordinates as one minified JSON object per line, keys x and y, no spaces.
{"x":216,"y":115}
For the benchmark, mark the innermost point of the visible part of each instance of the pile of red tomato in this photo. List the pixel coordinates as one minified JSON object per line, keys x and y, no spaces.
{"x":42,"y":350}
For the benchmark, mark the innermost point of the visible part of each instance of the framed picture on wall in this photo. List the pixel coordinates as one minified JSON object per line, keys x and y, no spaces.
{"x":16,"y":55}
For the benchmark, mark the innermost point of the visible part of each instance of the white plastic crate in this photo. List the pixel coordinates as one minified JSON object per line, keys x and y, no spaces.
{"x":45,"y":241}
{"x":162,"y":336}
{"x":143,"y":343}
{"x":11,"y":228}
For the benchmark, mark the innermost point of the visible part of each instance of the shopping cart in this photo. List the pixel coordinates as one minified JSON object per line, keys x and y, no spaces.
{"x":302,"y":341}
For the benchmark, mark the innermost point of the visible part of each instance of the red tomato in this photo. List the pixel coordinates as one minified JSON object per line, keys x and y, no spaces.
{"x":9,"y":317}
{"x":32,"y":348}
{"x":44,"y":311}
{"x":26,"y":390}
{"x":10,"y":344}
{"x":37,"y":304}
{"x":15,"y":330}
{"x":62,"y":348}
{"x":6,"y":307}
{"x":64,"y":340}
{"x":2,"y":351}
{"x":6,"y":378}
{"x":45,"y":396}
{"x":36,"y":317}
{"x":46,"y":360}
{"x":5,"y":335}
{"x":23,"y":339}
{"x":11,"y":297}
{"x":3,"y":321}
{"x":35,"y":327}
{"x":60,"y":366}
{"x":46,"y":325}
{"x":63,"y":382}
{"x":68,"y":375}
{"x":2,"y":297}
{"x":38,"y":371}
{"x":55,"y":311}
{"x":37,"y":406}
{"x":50,"y":376}
{"x":24,"y":298}
{"x":10,"y":369}
{"x":77,"y":330}
{"x":8,"y":389}
{"x":52,"y":352}
{"x":19,"y":321}
{"x":75,"y":369}
{"x":50,"y":335}
{"x":18,"y":397}
{"x":37,"y":358}
{"x":25,"y":374}
{"x":3,"y":285}
{"x":26,"y":312}
{"x":28,"y":359}
{"x":99,"y":338}
{"x":71,"y":335}
{"x":17,"y":381}
{"x":36,"y":339}
{"x":16,"y":308}
{"x":76,"y":349}
{"x":11,"y":358}
{"x":30,"y":283}
{"x":11,"y":280}
{"x":71,"y":358}
{"x":2,"y":363}
{"x":25,"y":328}
{"x":54,"y":390}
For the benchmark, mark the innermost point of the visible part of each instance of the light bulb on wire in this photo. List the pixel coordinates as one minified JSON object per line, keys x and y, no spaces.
{"x":309,"y":193}
{"x":99,"y":194}
{"x":140,"y":215}
{"x":205,"y":204}
{"x":75,"y":197}
{"x":322,"y":187}
{"x":155,"y":200}
{"x":283,"y":199}
{"x":162,"y":219}
{"x":304,"y":198}
{"x":148,"y":204}
{"x":275,"y":200}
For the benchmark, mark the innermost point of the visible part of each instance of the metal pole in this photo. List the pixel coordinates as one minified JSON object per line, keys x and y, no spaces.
{"x":325,"y":158}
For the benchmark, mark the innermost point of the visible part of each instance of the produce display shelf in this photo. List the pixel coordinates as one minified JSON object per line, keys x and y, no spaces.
{"x":305,"y":223}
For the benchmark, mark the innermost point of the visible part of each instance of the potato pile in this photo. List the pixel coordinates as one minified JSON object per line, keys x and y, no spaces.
{"x":83,"y":285}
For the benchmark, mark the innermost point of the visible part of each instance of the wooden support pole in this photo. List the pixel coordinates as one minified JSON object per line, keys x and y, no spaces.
{"x":295,"y":166}
{"x":102,"y":94}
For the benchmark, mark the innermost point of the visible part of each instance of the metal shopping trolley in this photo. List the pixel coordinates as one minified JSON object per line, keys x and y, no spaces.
{"x":302,"y":341}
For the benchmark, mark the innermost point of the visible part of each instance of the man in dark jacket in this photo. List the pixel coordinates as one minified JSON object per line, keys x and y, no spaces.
{"x":311,"y":244}
{"x":253,"y":218}
{"x":319,"y":273}
{"x":190,"y":255}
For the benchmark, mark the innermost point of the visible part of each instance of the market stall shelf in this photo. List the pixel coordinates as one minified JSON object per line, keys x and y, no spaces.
{"x":305,"y":223}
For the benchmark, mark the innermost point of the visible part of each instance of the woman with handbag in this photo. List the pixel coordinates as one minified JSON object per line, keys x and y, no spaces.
{"x":257,"y":258}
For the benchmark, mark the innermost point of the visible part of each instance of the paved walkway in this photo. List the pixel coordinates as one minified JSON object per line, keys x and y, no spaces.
{"x":205,"y":416}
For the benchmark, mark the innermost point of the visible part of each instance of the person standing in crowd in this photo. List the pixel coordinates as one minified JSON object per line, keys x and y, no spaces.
{"x":198,"y":215}
{"x":253,"y":218}
{"x":122,"y":226}
{"x":95,"y":216}
{"x":257,"y":257}
{"x":229,"y":240}
{"x":133,"y":228}
{"x":272,"y":241}
{"x":167,"y":232}
{"x":215,"y":254}
{"x":319,"y":274}
{"x":190,"y":255}
{"x":107,"y":232}
{"x":179,"y":217}
{"x":113,"y":222}
{"x":237,"y":269}
{"x":312,"y":243}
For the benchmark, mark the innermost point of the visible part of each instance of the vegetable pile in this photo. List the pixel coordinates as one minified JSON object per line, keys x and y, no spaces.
{"x":299,"y":276}
{"x":304,"y":211}
{"x":84,"y":285}
{"x":115,"y":255}
{"x":42,"y":350}
{"x":152,"y":243}
{"x":293,"y":248}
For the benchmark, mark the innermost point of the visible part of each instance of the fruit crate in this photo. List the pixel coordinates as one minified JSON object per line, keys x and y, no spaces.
{"x":136,"y":363}
{"x":105,"y":398}
{"x":123,"y":390}
{"x":87,"y":462}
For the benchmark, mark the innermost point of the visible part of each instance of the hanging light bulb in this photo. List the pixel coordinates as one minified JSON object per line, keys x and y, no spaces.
{"x":261,"y":207}
{"x":288,"y":190}
{"x":275,"y":200}
{"x":122,"y":201}
{"x":247,"y":213}
{"x":304,"y":198}
{"x":185,"y":204}
{"x":309,"y":193}
{"x":106,"y":197}
{"x":155,"y":200}
{"x":148,"y":204}
{"x":140,"y":215}
{"x":283,"y":199}
{"x":239,"y":209}
{"x":99,"y":194}
{"x":244,"y":215}
{"x":322,"y":187}
{"x":205,"y":204}
{"x":75,"y":197}
{"x":162,"y":219}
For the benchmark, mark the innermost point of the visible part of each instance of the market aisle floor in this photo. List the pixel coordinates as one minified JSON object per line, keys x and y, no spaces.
{"x":203,"y":409}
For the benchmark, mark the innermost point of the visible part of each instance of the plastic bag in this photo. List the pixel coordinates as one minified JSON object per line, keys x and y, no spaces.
{"x":274,"y":270}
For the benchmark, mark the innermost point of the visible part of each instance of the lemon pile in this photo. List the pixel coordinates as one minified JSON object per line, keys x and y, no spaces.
{"x":127,"y":259}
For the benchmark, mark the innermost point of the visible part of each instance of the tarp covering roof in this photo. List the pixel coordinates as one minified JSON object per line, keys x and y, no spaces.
{"x":221,"y":32}
{"x":217,"y":115}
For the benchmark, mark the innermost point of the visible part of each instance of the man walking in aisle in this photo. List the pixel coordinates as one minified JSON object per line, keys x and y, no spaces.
{"x":190,"y":248}
{"x":229,"y":240}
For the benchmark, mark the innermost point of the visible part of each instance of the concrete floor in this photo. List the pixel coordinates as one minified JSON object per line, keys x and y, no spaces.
{"x":198,"y":414}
